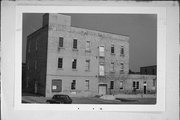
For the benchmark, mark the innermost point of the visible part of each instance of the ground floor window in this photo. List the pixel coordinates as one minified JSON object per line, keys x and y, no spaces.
{"x":112,"y":85}
{"x":121,"y":85}
{"x":57,"y":85}
{"x":73,"y":85}
{"x":87,"y":84}
{"x":135,"y":85}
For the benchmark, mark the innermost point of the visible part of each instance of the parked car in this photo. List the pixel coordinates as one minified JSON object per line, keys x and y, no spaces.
{"x":60,"y":99}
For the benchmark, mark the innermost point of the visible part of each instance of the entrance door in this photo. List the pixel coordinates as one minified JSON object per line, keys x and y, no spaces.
{"x":144,"y":89}
{"x":102,"y":89}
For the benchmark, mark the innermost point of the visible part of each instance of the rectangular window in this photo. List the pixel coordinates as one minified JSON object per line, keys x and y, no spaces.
{"x":112,"y":67}
{"x":135,"y":84}
{"x":122,"y":68}
{"x":101,"y":51}
{"x":60,"y":62}
{"x":74,"y":43}
{"x":122,"y":51}
{"x":112,"y":49}
{"x":121,"y":85}
{"x":112,"y":85}
{"x":101,"y":70}
{"x":87,"y":84}
{"x":56,"y":85}
{"x":61,"y":40}
{"x":74,"y":63}
{"x":28,"y":65}
{"x":87,"y":45}
{"x":73,"y":85}
{"x":87,"y":65}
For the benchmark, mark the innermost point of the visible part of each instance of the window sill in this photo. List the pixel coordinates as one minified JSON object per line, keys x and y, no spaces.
{"x":74,"y":49}
{"x":74,"y":70}
{"x":60,"y":69}
{"x":112,"y":53}
{"x":122,"y":55}
{"x":61,"y":48}
{"x":87,"y":70}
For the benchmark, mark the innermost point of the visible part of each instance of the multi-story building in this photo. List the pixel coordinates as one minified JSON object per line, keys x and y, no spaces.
{"x":80,"y":62}
{"x":75,"y":61}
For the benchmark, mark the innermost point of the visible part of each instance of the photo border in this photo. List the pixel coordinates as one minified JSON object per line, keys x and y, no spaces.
{"x":161,"y":57}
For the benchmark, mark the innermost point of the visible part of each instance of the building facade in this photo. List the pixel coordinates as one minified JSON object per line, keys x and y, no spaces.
{"x":76,"y":61}
{"x":148,"y":70}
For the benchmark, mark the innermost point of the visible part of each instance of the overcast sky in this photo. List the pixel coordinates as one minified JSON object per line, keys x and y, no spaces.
{"x":141,"y":28}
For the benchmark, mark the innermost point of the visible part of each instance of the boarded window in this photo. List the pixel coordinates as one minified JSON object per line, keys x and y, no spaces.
{"x":61,"y":40}
{"x":60,"y":62}
{"x":87,"y":45}
{"x":73,"y":85}
{"x":112,"y":67}
{"x":101,"y":51}
{"x":74,"y":63}
{"x":101,"y":70}
{"x":75,"y":44}
{"x":121,"y":85}
{"x":87,"y":84}
{"x":57,"y":85}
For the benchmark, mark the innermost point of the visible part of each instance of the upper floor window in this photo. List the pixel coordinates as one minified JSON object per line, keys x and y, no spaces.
{"x":112,"y":49}
{"x":74,"y":63}
{"x":122,"y":68}
{"x":112,"y":67}
{"x":61,"y":41}
{"x":60,"y":62}
{"x":36,"y":44}
{"x":87,"y":84}
{"x":29,"y":46}
{"x":87,"y":45}
{"x":121,"y":85}
{"x":74,"y":43}
{"x":122,"y":51}
{"x":101,"y":70}
{"x":87,"y":65}
{"x":101,"y":51}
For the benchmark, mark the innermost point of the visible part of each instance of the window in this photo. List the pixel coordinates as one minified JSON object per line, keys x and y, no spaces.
{"x":73,"y":85}
{"x":112,"y":49}
{"x":60,"y":62}
{"x":101,"y":70}
{"x":74,"y":63}
{"x":122,"y":51}
{"x":87,"y":84}
{"x":112,"y":67}
{"x":101,"y":51}
{"x":122,"y":68}
{"x":56,"y":85}
{"x":87,"y":45}
{"x":121,"y":85}
{"x":87,"y":65}
{"x":135,"y":84}
{"x":28,"y":65}
{"x":75,"y":44}
{"x":112,"y":85}
{"x":61,"y":40}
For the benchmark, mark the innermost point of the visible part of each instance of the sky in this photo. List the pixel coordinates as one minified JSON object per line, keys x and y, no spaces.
{"x":141,"y":28}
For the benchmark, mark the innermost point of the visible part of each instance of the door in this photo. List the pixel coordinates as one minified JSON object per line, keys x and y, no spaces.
{"x":144,"y":89}
{"x":102,"y":89}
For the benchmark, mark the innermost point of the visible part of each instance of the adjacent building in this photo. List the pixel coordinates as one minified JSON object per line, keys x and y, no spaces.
{"x":148,"y":70}
{"x":78,"y":62}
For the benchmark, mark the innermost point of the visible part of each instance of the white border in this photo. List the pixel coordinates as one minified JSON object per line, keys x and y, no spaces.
{"x":161,"y":56}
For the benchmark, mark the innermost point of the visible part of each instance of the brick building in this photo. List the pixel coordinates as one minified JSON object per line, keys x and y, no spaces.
{"x":148,"y":70}
{"x":76,"y":61}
